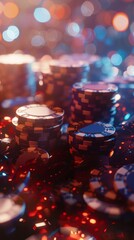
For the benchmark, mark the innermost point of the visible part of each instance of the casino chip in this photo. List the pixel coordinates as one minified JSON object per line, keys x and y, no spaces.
{"x":110,"y":209}
{"x":11,"y":209}
{"x":101,"y":182}
{"x":97,"y":135}
{"x":39,"y":113}
{"x":36,"y":125}
{"x":95,"y":131}
{"x":124,"y":182}
{"x":33,"y":159}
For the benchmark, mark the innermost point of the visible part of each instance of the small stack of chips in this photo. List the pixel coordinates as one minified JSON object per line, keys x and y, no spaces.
{"x":17,"y":78}
{"x":36,"y":125}
{"x":88,"y":140}
{"x":59,"y":80}
{"x":111,"y":190}
{"x":94,"y":102}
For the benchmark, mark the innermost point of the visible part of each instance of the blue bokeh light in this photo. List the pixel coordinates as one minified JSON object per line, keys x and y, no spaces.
{"x":116,"y":59}
{"x":100,"y":32}
{"x":73,"y":29}
{"x":42,"y":14}
{"x":127,"y":116}
{"x":11,"y":33}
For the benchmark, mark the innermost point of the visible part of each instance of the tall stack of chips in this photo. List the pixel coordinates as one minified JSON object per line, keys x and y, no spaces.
{"x":36,"y":125}
{"x":63,"y":73}
{"x":93,"y":102}
{"x":17,"y":78}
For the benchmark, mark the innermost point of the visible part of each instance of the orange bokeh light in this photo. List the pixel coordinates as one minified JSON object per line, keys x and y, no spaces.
{"x":92,"y":221}
{"x":60,"y":11}
{"x":11,"y":10}
{"x":120,"y":21}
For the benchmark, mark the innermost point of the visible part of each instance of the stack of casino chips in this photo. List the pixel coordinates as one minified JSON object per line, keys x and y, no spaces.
{"x":93,"y":102}
{"x":87,"y":142}
{"x":59,"y":78}
{"x":36,"y":125}
{"x":17,"y":78}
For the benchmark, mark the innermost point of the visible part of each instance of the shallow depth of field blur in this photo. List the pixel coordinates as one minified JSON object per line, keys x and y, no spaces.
{"x":56,"y":27}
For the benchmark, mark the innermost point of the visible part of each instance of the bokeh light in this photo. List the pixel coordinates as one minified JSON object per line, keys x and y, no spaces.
{"x":38,"y":41}
{"x":130,"y":70}
{"x":42,"y":15}
{"x":73,"y":29}
{"x":11,"y":33}
{"x":100,"y":32}
{"x":87,"y":8}
{"x":91,"y":26}
{"x":116,"y":59}
{"x":120,"y":21}
{"x":6,"y":37}
{"x":11,"y":10}
{"x":60,"y":11}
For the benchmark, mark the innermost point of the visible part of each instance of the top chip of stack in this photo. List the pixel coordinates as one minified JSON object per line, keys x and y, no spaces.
{"x":96,"y":131}
{"x":39,"y":115}
{"x":90,"y":88}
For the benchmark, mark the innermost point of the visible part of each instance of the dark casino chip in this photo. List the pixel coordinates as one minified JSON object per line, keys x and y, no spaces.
{"x":111,"y":209}
{"x":101,"y":182}
{"x":97,"y":130}
{"x":124,"y":182}
{"x":31,"y":156}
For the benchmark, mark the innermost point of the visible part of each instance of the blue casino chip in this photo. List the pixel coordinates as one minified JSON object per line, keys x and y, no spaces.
{"x":124,"y":182}
{"x":96,"y":130}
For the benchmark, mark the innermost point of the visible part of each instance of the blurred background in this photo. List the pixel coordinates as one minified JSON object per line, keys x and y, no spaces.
{"x":56,"y":27}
